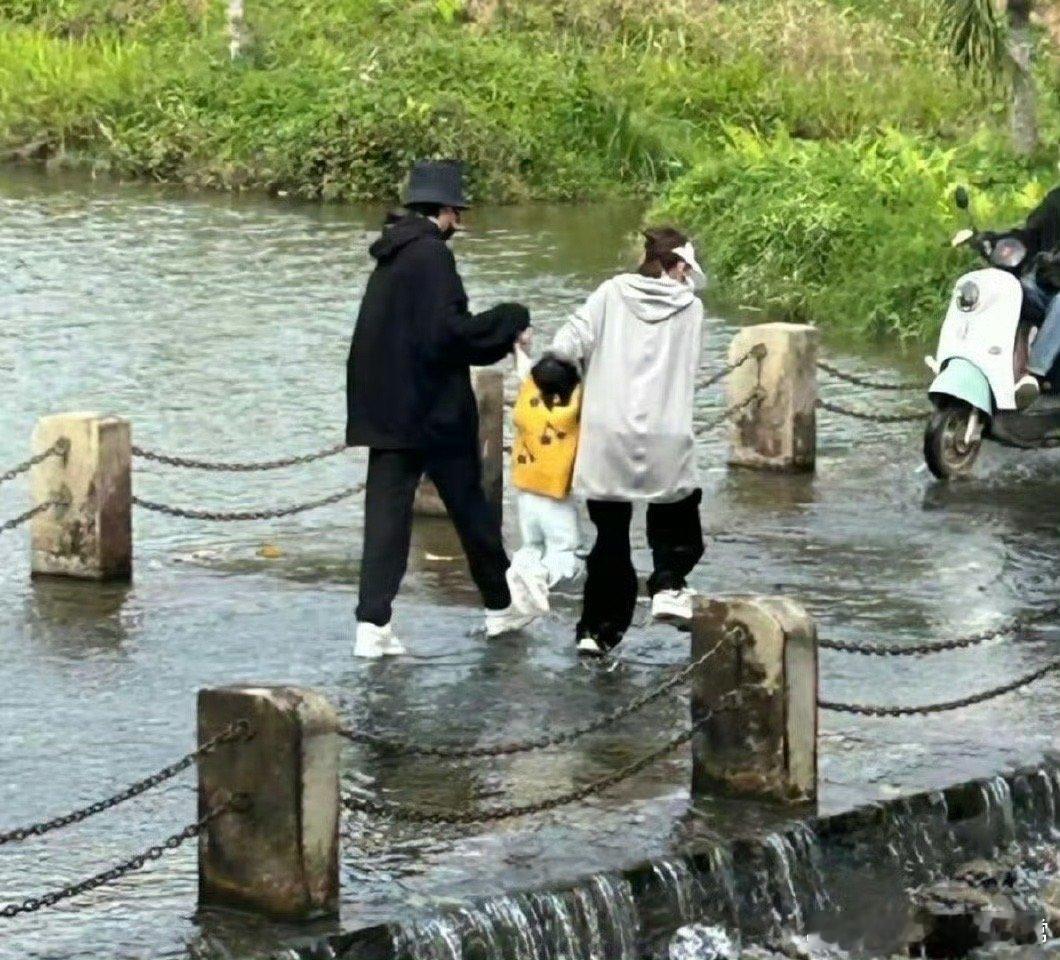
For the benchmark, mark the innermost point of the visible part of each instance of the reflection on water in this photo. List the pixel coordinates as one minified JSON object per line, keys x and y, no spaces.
{"x":220,"y":326}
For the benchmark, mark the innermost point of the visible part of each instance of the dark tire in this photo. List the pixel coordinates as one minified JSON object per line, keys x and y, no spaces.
{"x":945,"y":452}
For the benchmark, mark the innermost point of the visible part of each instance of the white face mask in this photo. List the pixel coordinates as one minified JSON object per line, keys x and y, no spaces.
{"x":697,"y":279}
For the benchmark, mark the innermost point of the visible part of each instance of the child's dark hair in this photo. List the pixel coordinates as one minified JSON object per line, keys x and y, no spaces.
{"x":659,"y":246}
{"x":556,"y":379}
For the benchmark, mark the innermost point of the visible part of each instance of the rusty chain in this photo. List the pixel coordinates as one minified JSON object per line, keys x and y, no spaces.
{"x":234,"y":732}
{"x":60,"y":448}
{"x":868,"y":710}
{"x":236,"y":466}
{"x":755,"y":396}
{"x":221,"y":517}
{"x":939,"y":646}
{"x":871,"y":417}
{"x":30,"y":514}
{"x":415,"y":814}
{"x":542,"y":743}
{"x":865,"y":382}
{"x":758,"y":352}
{"x":50,"y":899}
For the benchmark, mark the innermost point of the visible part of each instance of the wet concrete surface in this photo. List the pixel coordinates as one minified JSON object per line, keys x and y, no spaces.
{"x":220,"y":326}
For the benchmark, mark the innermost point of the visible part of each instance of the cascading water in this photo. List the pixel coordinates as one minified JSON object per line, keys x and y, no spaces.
{"x":845,"y":879}
{"x":597,"y":921}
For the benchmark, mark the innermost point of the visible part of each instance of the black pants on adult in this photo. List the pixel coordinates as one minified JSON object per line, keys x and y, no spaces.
{"x":675,"y":536}
{"x":393,"y":476}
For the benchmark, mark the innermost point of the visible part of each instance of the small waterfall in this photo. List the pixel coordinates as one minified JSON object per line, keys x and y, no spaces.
{"x":437,"y":938}
{"x":683,"y":889}
{"x":597,"y":921}
{"x":723,"y":881}
{"x":1000,"y":820}
{"x":786,"y":905}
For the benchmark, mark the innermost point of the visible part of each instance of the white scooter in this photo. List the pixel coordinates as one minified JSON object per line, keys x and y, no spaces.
{"x":982,"y":353}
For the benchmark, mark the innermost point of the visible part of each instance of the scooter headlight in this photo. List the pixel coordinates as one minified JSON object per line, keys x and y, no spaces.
{"x":968,"y":295}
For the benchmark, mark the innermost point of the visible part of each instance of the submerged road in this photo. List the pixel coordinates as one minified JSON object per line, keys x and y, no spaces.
{"x":220,"y":327}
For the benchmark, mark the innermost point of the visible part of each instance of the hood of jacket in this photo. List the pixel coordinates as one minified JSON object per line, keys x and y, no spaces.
{"x":653,"y":299}
{"x":399,"y":235}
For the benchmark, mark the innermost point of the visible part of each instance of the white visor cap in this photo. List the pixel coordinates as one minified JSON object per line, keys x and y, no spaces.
{"x":688,"y":254}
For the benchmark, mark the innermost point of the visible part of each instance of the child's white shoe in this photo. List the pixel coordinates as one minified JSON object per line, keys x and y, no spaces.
{"x":508,"y":620}
{"x":373,"y":642}
{"x":672,"y":605}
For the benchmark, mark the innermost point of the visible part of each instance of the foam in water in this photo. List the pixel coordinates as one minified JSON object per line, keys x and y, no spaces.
{"x":701,"y":942}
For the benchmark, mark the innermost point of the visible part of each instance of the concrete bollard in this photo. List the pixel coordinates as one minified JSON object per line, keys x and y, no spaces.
{"x":90,"y":536}
{"x":761,"y":684}
{"x":488,"y":383}
{"x":280,"y":857}
{"x":780,"y":431}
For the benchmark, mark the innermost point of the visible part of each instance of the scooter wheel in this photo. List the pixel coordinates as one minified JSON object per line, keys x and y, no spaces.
{"x":946,"y":451}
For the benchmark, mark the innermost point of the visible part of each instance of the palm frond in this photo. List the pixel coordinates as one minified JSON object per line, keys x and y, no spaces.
{"x":975,"y":35}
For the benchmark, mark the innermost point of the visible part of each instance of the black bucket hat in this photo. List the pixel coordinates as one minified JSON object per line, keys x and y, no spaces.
{"x":437,"y":181}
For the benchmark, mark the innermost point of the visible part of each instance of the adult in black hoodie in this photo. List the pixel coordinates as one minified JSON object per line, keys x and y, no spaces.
{"x":409,"y":399}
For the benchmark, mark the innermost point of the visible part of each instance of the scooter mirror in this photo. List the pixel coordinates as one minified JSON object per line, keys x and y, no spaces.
{"x":961,"y":198}
{"x":961,"y":237}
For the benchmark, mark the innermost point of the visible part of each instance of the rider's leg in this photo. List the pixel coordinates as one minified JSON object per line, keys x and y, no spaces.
{"x":1046,"y":346}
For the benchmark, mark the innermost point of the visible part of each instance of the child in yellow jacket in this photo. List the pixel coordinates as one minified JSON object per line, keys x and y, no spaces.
{"x":545,"y":446}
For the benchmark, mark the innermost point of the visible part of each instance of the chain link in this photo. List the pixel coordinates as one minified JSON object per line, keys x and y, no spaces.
{"x":755,"y":396}
{"x":867,"y":710}
{"x":871,"y":417}
{"x":30,"y":514}
{"x":542,"y":743}
{"x":50,"y":899}
{"x":758,"y":351}
{"x":236,"y":466}
{"x":414,"y":814}
{"x":60,"y":448}
{"x":220,"y":517}
{"x":238,"y":731}
{"x":939,"y":646}
{"x":864,"y":382}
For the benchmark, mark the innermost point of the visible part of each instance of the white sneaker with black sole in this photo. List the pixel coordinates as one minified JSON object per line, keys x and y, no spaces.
{"x":672,"y":606}
{"x":374,"y":642}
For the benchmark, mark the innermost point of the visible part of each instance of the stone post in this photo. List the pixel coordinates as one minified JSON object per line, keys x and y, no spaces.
{"x":779,"y":432}
{"x":90,"y":535}
{"x":279,"y":857}
{"x":760,"y":689}
{"x":488,"y":383}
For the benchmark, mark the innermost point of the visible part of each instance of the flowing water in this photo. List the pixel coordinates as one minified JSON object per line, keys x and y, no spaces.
{"x":220,"y":327}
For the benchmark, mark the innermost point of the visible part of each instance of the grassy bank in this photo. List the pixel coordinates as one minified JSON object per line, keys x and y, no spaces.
{"x":850,"y":234}
{"x":785,"y":132}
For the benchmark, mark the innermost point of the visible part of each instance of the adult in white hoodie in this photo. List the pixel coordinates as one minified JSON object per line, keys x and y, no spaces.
{"x":638,"y":337}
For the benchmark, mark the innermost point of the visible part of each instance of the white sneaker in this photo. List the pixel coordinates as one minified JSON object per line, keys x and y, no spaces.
{"x":1027,"y":391}
{"x":374,"y":642}
{"x":671,"y":605}
{"x":589,"y":646}
{"x":508,"y":620}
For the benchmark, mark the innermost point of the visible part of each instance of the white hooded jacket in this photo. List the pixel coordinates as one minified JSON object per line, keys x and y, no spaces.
{"x":639,"y":340}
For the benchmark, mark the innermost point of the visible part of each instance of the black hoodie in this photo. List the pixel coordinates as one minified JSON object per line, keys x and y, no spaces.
{"x":408,"y":378}
{"x":1042,"y":232}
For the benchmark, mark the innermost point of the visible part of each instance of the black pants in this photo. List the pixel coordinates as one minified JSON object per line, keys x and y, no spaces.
{"x":675,"y":536}
{"x":393,"y":476}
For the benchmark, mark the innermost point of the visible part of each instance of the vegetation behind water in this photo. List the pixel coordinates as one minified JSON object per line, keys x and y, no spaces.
{"x":810,"y":144}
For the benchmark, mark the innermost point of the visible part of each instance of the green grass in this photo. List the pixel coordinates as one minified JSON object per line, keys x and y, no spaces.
{"x":787,"y":133}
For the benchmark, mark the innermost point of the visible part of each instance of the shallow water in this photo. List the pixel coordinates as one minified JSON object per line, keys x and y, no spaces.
{"x":220,"y":327}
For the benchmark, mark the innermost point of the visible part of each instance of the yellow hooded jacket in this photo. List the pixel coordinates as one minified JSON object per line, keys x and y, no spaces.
{"x":546,"y":442}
